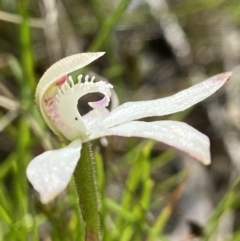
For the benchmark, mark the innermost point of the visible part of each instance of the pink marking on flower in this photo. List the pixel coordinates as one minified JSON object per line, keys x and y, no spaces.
{"x":51,"y":108}
{"x":61,"y":80}
{"x":100,"y":103}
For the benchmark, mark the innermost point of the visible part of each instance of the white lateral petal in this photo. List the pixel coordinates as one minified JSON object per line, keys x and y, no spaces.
{"x":174,"y":133}
{"x":50,"y":172}
{"x":182,"y":100}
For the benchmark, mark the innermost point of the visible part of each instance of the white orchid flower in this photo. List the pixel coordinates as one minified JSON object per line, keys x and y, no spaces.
{"x":57,"y":98}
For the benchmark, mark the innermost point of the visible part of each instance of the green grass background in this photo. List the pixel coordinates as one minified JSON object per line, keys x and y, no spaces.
{"x":136,"y":205}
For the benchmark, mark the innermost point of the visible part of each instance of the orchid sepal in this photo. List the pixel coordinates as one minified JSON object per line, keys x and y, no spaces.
{"x":51,"y":171}
{"x":184,"y":99}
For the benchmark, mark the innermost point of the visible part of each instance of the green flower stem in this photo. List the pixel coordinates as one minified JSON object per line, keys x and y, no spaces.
{"x":85,"y":177}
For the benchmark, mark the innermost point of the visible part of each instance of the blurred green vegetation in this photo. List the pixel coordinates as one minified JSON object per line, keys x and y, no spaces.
{"x":153,"y":48}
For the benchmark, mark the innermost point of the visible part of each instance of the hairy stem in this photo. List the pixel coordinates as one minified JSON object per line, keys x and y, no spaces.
{"x":86,"y":182}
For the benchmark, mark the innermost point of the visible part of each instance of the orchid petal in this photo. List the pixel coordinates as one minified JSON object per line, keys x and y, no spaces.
{"x":173,"y":133}
{"x":135,"y":110}
{"x":50,"y":172}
